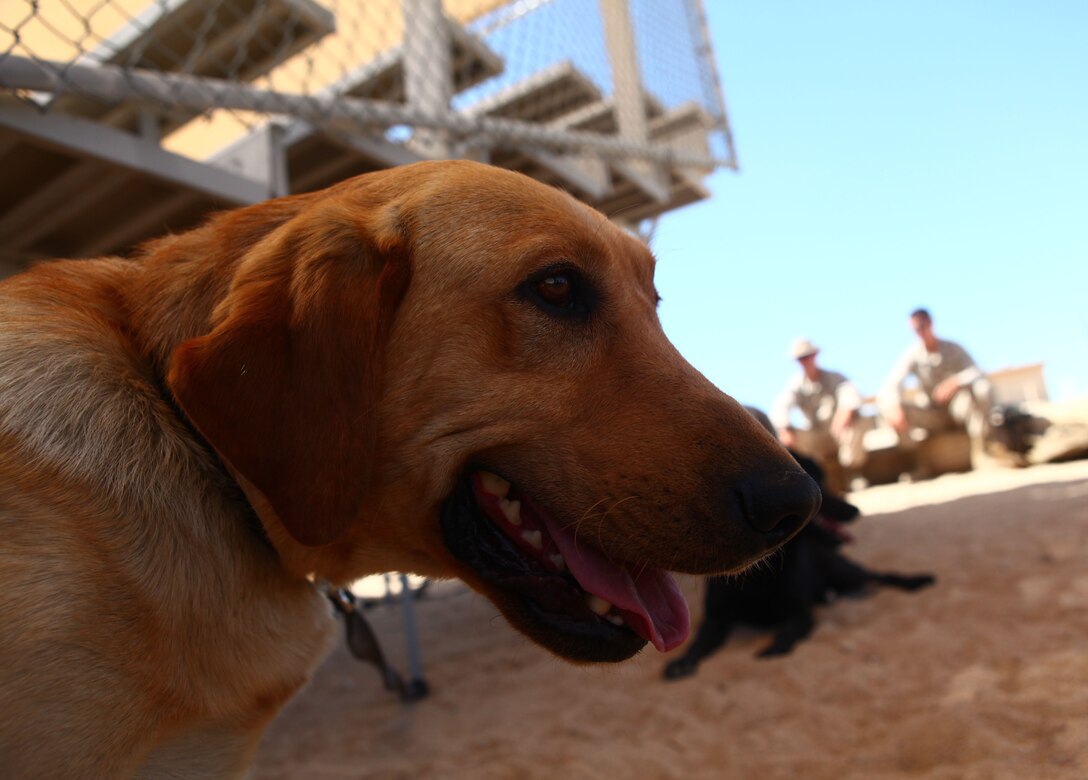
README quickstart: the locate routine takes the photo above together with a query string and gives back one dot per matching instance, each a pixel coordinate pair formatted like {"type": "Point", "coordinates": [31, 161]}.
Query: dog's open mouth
{"type": "Point", "coordinates": [556, 586]}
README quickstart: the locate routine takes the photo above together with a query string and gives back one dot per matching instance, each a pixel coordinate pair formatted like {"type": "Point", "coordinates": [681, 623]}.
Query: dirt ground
{"type": "Point", "coordinates": [984, 675]}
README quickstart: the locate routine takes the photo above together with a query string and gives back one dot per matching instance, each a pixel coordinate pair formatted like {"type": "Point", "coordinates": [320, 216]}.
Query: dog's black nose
{"type": "Point", "coordinates": [778, 504]}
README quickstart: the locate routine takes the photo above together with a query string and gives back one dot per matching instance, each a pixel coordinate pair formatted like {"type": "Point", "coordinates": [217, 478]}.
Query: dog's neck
{"type": "Point", "coordinates": [172, 293]}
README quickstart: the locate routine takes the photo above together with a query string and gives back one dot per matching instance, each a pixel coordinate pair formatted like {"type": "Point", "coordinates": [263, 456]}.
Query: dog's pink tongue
{"type": "Point", "coordinates": [650, 601]}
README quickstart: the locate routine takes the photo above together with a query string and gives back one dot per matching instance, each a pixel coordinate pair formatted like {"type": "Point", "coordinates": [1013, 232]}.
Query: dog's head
{"type": "Point", "coordinates": [454, 370]}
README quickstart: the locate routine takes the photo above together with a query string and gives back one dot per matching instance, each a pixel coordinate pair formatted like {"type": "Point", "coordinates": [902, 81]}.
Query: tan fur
{"type": "Point", "coordinates": [293, 390]}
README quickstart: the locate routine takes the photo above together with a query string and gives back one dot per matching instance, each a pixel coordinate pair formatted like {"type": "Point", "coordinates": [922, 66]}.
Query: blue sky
{"type": "Point", "coordinates": [892, 155]}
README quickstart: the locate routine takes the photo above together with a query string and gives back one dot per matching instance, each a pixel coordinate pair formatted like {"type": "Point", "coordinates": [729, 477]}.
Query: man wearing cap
{"type": "Point", "coordinates": [831, 407]}
{"type": "Point", "coordinates": [952, 391]}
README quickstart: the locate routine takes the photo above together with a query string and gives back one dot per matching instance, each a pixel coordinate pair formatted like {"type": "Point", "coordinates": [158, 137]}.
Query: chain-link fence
{"type": "Point", "coordinates": [616, 101]}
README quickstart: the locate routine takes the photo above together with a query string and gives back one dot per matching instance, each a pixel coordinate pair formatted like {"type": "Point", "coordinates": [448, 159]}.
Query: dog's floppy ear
{"type": "Point", "coordinates": [285, 387]}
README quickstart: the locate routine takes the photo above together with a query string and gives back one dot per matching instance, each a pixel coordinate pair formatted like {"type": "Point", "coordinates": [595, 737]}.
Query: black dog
{"type": "Point", "coordinates": [782, 591]}
{"type": "Point", "coordinates": [1015, 429]}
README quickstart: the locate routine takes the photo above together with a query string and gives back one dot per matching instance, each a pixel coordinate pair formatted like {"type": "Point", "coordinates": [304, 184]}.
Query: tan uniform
{"type": "Point", "coordinates": [969, 407]}
{"type": "Point", "coordinates": [818, 401]}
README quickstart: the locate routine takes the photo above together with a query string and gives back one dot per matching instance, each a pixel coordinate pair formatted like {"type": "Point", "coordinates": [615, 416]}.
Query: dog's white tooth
{"type": "Point", "coordinates": [615, 619]}
{"type": "Point", "coordinates": [494, 484]}
{"type": "Point", "coordinates": [597, 605]}
{"type": "Point", "coordinates": [534, 538]}
{"type": "Point", "coordinates": [511, 510]}
{"type": "Point", "coordinates": [558, 561]}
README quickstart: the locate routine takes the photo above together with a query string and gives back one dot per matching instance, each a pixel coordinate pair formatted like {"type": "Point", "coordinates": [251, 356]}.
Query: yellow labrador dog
{"type": "Point", "coordinates": [445, 368]}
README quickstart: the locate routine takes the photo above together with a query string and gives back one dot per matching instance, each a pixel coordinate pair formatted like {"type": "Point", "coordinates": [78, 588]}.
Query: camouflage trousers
{"type": "Point", "coordinates": [968, 410]}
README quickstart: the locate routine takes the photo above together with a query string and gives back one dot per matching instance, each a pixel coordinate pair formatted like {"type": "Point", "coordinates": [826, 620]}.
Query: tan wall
{"type": "Point", "coordinates": [57, 33]}
{"type": "Point", "coordinates": [364, 29]}
{"type": "Point", "coordinates": [1019, 384]}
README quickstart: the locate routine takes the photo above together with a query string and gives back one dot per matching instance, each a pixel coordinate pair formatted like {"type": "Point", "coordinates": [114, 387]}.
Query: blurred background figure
{"type": "Point", "coordinates": [830, 405]}
{"type": "Point", "coordinates": [952, 393]}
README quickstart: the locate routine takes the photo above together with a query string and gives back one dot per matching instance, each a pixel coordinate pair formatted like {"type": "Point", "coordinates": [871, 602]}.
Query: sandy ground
{"type": "Point", "coordinates": [983, 676]}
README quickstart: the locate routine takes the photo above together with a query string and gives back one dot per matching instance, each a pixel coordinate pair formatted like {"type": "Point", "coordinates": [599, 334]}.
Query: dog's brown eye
{"type": "Point", "coordinates": [556, 290]}
{"type": "Point", "coordinates": [560, 291]}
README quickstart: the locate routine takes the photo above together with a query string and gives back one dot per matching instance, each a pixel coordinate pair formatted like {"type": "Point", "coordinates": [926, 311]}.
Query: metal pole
{"type": "Point", "coordinates": [416, 687]}
{"type": "Point", "coordinates": [428, 70]}
{"type": "Point", "coordinates": [627, 88]}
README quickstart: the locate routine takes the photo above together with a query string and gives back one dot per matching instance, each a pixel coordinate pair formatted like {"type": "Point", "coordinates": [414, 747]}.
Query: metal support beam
{"type": "Point", "coordinates": [374, 149]}
{"type": "Point", "coordinates": [147, 222]}
{"type": "Point", "coordinates": [66, 203]}
{"type": "Point", "coordinates": [112, 83]}
{"type": "Point", "coordinates": [122, 150]}
{"type": "Point", "coordinates": [586, 174]}
{"type": "Point", "coordinates": [8, 143]}
{"type": "Point", "coordinates": [428, 70]}
{"type": "Point", "coordinates": [260, 156]}
{"type": "Point", "coordinates": [627, 89]}
{"type": "Point", "coordinates": [23, 224]}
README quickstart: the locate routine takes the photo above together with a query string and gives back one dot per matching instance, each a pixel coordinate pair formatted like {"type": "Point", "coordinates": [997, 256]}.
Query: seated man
{"type": "Point", "coordinates": [952, 391]}
{"type": "Point", "coordinates": [830, 405]}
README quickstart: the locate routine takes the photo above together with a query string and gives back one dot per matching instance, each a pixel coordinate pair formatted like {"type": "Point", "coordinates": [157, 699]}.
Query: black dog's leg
{"type": "Point", "coordinates": [803, 583]}
{"type": "Point", "coordinates": [796, 627]}
{"type": "Point", "coordinates": [908, 582]}
{"type": "Point", "coordinates": [718, 620]}
{"type": "Point", "coordinates": [845, 576]}
{"type": "Point", "coordinates": [711, 635]}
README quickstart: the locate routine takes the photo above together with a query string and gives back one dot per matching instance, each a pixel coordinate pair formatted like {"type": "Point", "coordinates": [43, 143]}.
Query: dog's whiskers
{"type": "Point", "coordinates": [576, 526]}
